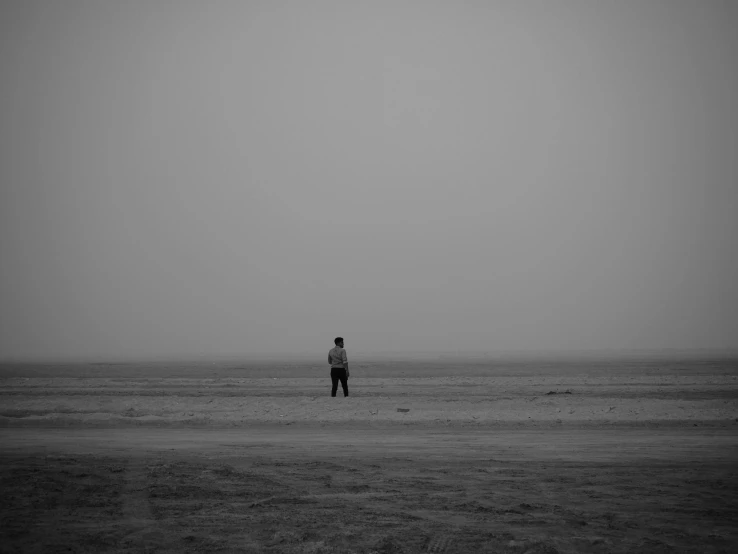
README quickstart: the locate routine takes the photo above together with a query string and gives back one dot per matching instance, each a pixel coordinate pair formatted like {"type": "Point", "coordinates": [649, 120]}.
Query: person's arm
{"type": "Point", "coordinates": [329, 358]}
{"type": "Point", "coordinates": [345, 362]}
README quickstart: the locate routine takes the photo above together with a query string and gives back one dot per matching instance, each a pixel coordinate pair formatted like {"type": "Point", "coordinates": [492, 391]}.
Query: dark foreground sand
{"type": "Point", "coordinates": [643, 459]}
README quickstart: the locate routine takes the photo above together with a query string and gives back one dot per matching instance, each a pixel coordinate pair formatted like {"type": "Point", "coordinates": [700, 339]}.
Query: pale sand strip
{"type": "Point", "coordinates": [577, 399]}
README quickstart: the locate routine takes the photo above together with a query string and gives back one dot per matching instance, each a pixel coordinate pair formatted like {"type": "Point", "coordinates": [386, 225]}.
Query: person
{"type": "Point", "coordinates": [339, 366]}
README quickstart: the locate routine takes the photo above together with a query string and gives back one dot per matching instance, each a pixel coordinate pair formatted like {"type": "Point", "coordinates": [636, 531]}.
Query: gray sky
{"type": "Point", "coordinates": [229, 177]}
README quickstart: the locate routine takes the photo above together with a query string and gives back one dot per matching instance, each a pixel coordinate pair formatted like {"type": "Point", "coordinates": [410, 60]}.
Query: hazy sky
{"type": "Point", "coordinates": [183, 177]}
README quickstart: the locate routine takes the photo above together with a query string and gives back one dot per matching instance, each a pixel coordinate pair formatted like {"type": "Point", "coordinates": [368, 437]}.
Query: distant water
{"type": "Point", "coordinates": [384, 367]}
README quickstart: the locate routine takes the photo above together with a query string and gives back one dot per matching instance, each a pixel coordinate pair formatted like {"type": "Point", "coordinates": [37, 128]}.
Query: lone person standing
{"type": "Point", "coordinates": [339, 366]}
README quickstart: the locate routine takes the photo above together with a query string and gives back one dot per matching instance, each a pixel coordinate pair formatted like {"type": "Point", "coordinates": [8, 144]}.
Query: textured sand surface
{"type": "Point", "coordinates": [535, 400]}
{"type": "Point", "coordinates": [516, 458]}
{"type": "Point", "coordinates": [340, 490]}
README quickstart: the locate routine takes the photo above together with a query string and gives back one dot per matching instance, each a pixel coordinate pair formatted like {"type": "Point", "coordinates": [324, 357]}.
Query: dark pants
{"type": "Point", "coordinates": [339, 374]}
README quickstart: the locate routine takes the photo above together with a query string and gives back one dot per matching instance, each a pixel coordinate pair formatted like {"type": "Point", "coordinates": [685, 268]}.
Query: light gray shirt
{"type": "Point", "coordinates": [337, 357]}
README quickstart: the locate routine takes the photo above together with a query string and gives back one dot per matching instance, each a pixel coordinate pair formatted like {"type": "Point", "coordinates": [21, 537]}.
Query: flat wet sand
{"type": "Point", "coordinates": [612, 445]}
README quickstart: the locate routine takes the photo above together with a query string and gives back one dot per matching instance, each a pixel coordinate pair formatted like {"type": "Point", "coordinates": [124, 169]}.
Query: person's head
{"type": "Point", "coordinates": [338, 341]}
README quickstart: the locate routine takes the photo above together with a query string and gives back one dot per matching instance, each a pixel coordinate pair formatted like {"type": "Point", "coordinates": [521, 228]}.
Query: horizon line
{"type": "Point", "coordinates": [436, 354]}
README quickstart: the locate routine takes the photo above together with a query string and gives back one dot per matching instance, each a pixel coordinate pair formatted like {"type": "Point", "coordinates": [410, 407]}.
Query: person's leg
{"type": "Point", "coordinates": [334, 380]}
{"type": "Point", "coordinates": [344, 382]}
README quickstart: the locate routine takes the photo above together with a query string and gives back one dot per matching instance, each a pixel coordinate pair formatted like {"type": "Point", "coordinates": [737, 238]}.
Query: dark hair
{"type": "Point", "coordinates": [337, 340]}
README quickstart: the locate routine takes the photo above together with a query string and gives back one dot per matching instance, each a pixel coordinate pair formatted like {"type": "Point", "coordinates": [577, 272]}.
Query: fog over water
{"type": "Point", "coordinates": [186, 178]}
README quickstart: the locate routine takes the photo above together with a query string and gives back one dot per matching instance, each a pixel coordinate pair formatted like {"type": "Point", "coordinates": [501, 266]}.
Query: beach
{"type": "Point", "coordinates": [586, 455]}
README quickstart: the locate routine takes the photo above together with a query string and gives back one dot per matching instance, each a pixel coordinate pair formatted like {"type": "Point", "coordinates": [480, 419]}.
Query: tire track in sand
{"type": "Point", "coordinates": [137, 514]}
{"type": "Point", "coordinates": [439, 544]}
